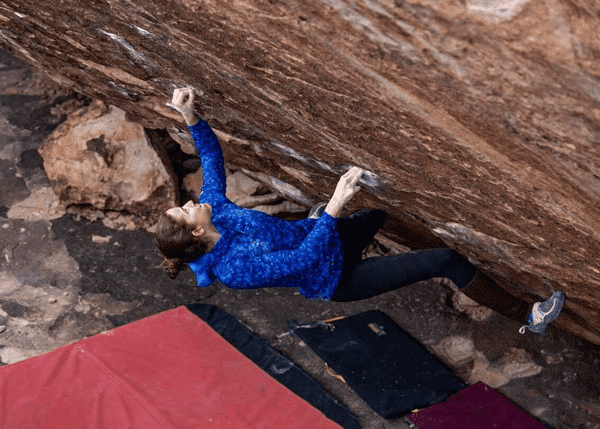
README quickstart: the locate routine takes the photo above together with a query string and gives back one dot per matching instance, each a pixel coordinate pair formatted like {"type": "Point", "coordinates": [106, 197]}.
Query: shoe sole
{"type": "Point", "coordinates": [539, 329]}
{"type": "Point", "coordinates": [557, 308]}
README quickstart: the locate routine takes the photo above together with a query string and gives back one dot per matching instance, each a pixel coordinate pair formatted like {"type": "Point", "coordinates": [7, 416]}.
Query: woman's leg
{"type": "Point", "coordinates": [357, 230]}
{"type": "Point", "coordinates": [374, 276]}
{"type": "Point", "coordinates": [487, 292]}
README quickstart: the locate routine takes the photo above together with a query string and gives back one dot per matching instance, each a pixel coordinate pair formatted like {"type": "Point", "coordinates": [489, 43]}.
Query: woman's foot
{"type": "Point", "coordinates": [544, 312]}
{"type": "Point", "coordinates": [317, 211]}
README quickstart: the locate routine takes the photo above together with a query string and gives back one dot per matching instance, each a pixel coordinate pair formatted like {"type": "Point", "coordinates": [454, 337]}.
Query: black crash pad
{"type": "Point", "coordinates": [382, 363]}
{"type": "Point", "coordinates": [255, 348]}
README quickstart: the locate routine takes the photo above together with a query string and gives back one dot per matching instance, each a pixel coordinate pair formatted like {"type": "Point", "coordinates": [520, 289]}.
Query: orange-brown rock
{"type": "Point", "coordinates": [478, 121]}
{"type": "Point", "coordinates": [99, 159]}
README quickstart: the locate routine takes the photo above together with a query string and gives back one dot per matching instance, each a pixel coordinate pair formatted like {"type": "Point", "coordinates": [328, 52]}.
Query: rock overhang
{"type": "Point", "coordinates": [479, 134]}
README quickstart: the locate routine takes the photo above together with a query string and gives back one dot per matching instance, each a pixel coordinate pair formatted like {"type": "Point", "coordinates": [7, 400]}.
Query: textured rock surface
{"type": "Point", "coordinates": [478, 121]}
{"type": "Point", "coordinates": [463, 304]}
{"type": "Point", "coordinates": [98, 158]}
{"type": "Point", "coordinates": [515, 364]}
{"type": "Point", "coordinates": [460, 353]}
{"type": "Point", "coordinates": [120, 283]}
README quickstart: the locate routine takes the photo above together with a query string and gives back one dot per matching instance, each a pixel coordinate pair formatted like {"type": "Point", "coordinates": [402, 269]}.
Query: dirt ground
{"type": "Point", "coordinates": [63, 279]}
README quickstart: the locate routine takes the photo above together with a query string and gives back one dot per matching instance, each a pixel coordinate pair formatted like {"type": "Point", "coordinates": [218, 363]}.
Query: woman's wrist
{"type": "Point", "coordinates": [191, 119]}
{"type": "Point", "coordinates": [333, 208]}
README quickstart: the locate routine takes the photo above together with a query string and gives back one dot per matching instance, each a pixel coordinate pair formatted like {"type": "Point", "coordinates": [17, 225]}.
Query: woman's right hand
{"type": "Point", "coordinates": [185, 107]}
{"type": "Point", "coordinates": [344, 191]}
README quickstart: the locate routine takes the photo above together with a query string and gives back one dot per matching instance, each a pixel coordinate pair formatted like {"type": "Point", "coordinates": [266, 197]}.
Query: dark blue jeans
{"type": "Point", "coordinates": [362, 279]}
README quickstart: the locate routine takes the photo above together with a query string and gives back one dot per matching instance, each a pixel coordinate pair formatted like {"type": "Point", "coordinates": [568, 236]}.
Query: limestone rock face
{"type": "Point", "coordinates": [98, 158]}
{"type": "Point", "coordinates": [478, 121]}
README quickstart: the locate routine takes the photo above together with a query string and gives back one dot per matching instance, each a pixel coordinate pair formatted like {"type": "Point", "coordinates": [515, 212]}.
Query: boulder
{"type": "Point", "coordinates": [248, 193]}
{"type": "Point", "coordinates": [460, 354]}
{"type": "Point", "coordinates": [98, 159]}
{"type": "Point", "coordinates": [477, 121]}
{"type": "Point", "coordinates": [516, 363]}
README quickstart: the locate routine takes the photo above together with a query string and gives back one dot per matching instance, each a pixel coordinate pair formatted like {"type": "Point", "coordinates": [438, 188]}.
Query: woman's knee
{"type": "Point", "coordinates": [372, 218]}
{"type": "Point", "coordinates": [451, 256]}
{"type": "Point", "coordinates": [379, 216]}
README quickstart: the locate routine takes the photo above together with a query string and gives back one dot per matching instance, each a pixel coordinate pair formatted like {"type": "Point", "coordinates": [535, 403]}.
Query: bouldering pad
{"type": "Point", "coordinates": [255, 348]}
{"type": "Point", "coordinates": [169, 370]}
{"type": "Point", "coordinates": [382, 363]}
{"type": "Point", "coordinates": [478, 406]}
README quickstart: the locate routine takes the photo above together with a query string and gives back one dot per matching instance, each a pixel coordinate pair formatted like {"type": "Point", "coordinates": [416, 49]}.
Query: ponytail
{"type": "Point", "coordinates": [178, 245]}
{"type": "Point", "coordinates": [172, 266]}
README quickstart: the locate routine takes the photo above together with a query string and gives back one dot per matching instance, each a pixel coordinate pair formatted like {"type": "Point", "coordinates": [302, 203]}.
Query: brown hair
{"type": "Point", "coordinates": [175, 241]}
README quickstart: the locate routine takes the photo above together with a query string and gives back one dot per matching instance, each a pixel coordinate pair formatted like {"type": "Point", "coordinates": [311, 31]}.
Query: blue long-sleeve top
{"type": "Point", "coordinates": [257, 250]}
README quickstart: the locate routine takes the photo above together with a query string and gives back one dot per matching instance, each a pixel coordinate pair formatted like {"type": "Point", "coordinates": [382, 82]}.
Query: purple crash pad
{"type": "Point", "coordinates": [475, 407]}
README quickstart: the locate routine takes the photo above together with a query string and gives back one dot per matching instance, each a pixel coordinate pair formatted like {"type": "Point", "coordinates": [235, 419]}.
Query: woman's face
{"type": "Point", "coordinates": [197, 215]}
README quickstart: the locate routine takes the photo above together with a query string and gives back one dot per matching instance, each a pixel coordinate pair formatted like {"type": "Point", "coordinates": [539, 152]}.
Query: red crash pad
{"type": "Point", "coordinates": [170, 370]}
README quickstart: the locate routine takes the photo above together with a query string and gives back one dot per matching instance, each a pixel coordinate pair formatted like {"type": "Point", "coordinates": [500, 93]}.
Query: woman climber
{"type": "Point", "coordinates": [320, 255]}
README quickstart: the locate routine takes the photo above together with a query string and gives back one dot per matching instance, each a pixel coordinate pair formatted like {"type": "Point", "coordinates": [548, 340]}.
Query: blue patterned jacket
{"type": "Point", "coordinates": [257, 250]}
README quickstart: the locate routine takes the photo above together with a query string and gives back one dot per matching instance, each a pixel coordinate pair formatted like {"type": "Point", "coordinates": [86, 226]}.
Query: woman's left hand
{"type": "Point", "coordinates": [186, 108]}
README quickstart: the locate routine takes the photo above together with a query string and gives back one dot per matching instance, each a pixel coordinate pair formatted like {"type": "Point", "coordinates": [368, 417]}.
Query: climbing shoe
{"type": "Point", "coordinates": [543, 313]}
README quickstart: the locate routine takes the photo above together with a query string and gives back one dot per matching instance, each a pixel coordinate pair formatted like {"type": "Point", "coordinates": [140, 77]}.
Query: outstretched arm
{"type": "Point", "coordinates": [207, 144]}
